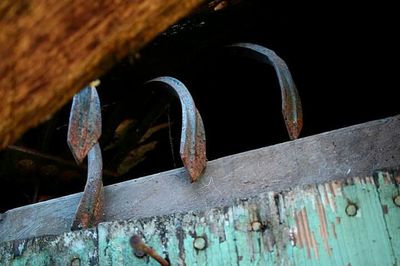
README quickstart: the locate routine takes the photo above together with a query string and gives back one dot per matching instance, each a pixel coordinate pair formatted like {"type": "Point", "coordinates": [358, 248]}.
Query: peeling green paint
{"type": "Point", "coordinates": [52, 250]}
{"type": "Point", "coordinates": [303, 226]}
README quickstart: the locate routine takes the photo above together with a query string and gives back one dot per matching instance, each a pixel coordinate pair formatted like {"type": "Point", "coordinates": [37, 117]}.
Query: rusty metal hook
{"type": "Point", "coordinates": [193, 138]}
{"type": "Point", "coordinates": [84, 131]}
{"type": "Point", "coordinates": [291, 104]}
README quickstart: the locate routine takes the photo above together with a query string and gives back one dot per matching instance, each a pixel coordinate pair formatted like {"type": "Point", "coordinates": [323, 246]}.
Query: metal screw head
{"type": "Point", "coordinates": [75, 262]}
{"type": "Point", "coordinates": [200, 243]}
{"type": "Point", "coordinates": [351, 209]}
{"type": "Point", "coordinates": [256, 226]}
{"type": "Point", "coordinates": [396, 200]}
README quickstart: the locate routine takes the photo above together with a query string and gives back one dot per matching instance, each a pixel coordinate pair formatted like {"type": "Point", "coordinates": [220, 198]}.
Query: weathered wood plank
{"type": "Point", "coordinates": [304, 226]}
{"type": "Point", "coordinates": [348, 152]}
{"type": "Point", "coordinates": [51, 49]}
{"type": "Point", "coordinates": [73, 248]}
{"type": "Point", "coordinates": [310, 225]}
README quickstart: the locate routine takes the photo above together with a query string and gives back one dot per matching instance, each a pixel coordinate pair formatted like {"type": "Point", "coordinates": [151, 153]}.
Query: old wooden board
{"type": "Point", "coordinates": [344, 222]}
{"type": "Point", "coordinates": [350, 152]}
{"type": "Point", "coordinates": [79, 246]}
{"type": "Point", "coordinates": [51, 49]}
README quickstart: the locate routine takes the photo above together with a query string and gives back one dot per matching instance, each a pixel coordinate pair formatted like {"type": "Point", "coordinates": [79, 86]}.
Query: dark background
{"type": "Point", "coordinates": [343, 58]}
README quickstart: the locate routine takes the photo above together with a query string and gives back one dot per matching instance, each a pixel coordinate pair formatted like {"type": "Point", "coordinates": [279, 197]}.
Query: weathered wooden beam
{"type": "Point", "coordinates": [344, 222]}
{"type": "Point", "coordinates": [350, 152]}
{"type": "Point", "coordinates": [51, 49]}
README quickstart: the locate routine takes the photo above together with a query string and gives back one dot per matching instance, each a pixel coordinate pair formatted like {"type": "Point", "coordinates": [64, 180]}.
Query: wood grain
{"type": "Point", "coordinates": [51, 49]}
{"type": "Point", "coordinates": [355, 151]}
{"type": "Point", "coordinates": [301, 226]}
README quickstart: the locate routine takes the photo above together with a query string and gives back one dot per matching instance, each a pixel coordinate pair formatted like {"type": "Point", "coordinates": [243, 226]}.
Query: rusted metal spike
{"type": "Point", "coordinates": [90, 209]}
{"type": "Point", "coordinates": [291, 104]}
{"type": "Point", "coordinates": [193, 138]}
{"type": "Point", "coordinates": [84, 131]}
{"type": "Point", "coordinates": [140, 249]}
{"type": "Point", "coordinates": [84, 128]}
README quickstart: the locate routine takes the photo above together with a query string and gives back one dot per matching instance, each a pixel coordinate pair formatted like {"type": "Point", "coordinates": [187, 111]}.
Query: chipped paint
{"type": "Point", "coordinates": [323, 228]}
{"type": "Point", "coordinates": [299, 227]}
{"type": "Point", "coordinates": [52, 250]}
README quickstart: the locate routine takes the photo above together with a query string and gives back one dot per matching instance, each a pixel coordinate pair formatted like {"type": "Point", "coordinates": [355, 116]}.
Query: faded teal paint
{"type": "Point", "coordinates": [307, 226]}
{"type": "Point", "coordinates": [52, 250]}
{"type": "Point", "coordinates": [329, 236]}
{"type": "Point", "coordinates": [387, 191]}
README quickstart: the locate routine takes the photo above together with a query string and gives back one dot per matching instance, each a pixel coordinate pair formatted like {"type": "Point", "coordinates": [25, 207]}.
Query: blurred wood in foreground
{"type": "Point", "coordinates": [51, 49]}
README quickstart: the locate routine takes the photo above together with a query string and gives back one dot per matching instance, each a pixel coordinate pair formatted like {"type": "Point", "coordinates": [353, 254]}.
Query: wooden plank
{"type": "Point", "coordinates": [51, 49]}
{"type": "Point", "coordinates": [388, 195]}
{"type": "Point", "coordinates": [73, 248]}
{"type": "Point", "coordinates": [349, 152]}
{"type": "Point", "coordinates": [300, 227]}
{"type": "Point", "coordinates": [310, 225]}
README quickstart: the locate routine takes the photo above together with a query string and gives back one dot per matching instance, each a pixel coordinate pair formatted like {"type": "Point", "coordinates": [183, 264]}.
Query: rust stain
{"type": "Point", "coordinates": [323, 228]}
{"type": "Point", "coordinates": [314, 246]}
{"type": "Point", "coordinates": [331, 197]}
{"type": "Point", "coordinates": [300, 230]}
{"type": "Point", "coordinates": [304, 236]}
{"type": "Point", "coordinates": [141, 248]}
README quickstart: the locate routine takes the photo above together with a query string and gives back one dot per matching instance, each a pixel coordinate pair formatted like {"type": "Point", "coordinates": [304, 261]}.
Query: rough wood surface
{"type": "Point", "coordinates": [303, 226]}
{"type": "Point", "coordinates": [348, 152]}
{"type": "Point", "coordinates": [51, 49]}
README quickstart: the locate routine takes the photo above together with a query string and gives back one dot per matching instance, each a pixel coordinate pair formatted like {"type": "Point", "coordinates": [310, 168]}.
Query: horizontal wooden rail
{"type": "Point", "coordinates": [355, 151]}
{"type": "Point", "coordinates": [354, 221]}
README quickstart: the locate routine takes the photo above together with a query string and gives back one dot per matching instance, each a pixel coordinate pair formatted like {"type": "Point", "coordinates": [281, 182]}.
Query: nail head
{"type": "Point", "coordinates": [200, 243]}
{"type": "Point", "coordinates": [396, 200]}
{"type": "Point", "coordinates": [351, 209]}
{"type": "Point", "coordinates": [256, 226]}
{"type": "Point", "coordinates": [75, 262]}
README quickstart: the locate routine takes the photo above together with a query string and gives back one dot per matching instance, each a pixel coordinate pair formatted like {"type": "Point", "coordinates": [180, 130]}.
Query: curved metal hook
{"type": "Point", "coordinates": [193, 138]}
{"type": "Point", "coordinates": [84, 131]}
{"type": "Point", "coordinates": [291, 104]}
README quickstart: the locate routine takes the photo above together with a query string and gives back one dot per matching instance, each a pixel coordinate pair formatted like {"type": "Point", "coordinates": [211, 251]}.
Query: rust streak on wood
{"type": "Point", "coordinates": [305, 236]}
{"type": "Point", "coordinates": [51, 49]}
{"type": "Point", "coordinates": [323, 225]}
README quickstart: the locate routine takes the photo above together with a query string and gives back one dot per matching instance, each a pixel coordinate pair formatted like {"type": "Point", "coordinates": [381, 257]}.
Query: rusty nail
{"type": "Point", "coordinates": [193, 138]}
{"type": "Point", "coordinates": [200, 243]}
{"type": "Point", "coordinates": [256, 226]}
{"type": "Point", "coordinates": [140, 249]}
{"type": "Point", "coordinates": [351, 209]}
{"type": "Point", "coordinates": [84, 131]}
{"type": "Point", "coordinates": [396, 200]}
{"type": "Point", "coordinates": [75, 262]}
{"type": "Point", "coordinates": [291, 104]}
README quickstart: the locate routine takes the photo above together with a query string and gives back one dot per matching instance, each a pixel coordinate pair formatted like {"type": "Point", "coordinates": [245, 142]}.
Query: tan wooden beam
{"type": "Point", "coordinates": [51, 49]}
{"type": "Point", "coordinates": [356, 151]}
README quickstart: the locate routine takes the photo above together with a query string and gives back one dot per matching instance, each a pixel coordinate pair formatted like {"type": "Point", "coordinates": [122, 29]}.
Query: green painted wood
{"type": "Point", "coordinates": [302, 226]}
{"type": "Point", "coordinates": [388, 190]}
{"type": "Point", "coordinates": [327, 235]}
{"type": "Point", "coordinates": [74, 248]}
